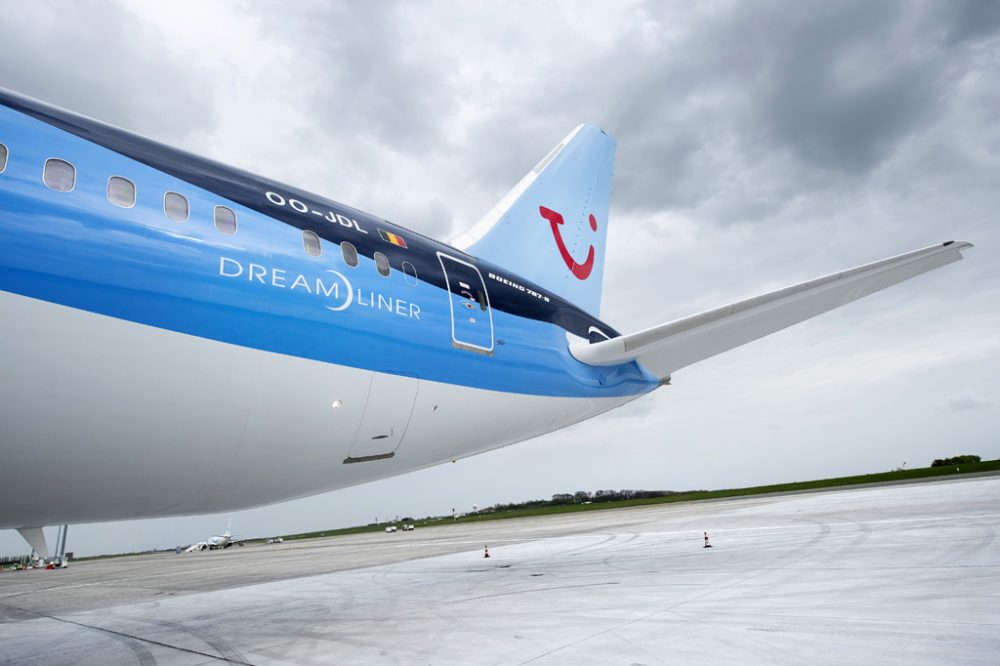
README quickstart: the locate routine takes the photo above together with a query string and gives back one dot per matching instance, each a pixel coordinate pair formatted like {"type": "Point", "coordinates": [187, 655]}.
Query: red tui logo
{"type": "Point", "coordinates": [580, 270]}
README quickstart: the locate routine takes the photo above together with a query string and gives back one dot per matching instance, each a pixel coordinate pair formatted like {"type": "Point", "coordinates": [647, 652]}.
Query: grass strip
{"type": "Point", "coordinates": [688, 496]}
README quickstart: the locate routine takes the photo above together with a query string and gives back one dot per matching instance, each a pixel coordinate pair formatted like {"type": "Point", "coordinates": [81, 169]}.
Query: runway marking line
{"type": "Point", "coordinates": [123, 634]}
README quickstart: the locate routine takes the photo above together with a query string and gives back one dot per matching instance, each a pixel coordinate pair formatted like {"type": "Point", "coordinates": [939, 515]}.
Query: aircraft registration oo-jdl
{"type": "Point", "coordinates": [182, 337]}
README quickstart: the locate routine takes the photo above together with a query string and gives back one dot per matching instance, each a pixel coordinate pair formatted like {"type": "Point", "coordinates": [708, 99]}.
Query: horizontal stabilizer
{"type": "Point", "coordinates": [669, 347]}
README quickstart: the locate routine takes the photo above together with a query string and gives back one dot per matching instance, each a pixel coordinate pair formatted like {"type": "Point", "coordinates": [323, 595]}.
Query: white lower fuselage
{"type": "Point", "coordinates": [103, 409]}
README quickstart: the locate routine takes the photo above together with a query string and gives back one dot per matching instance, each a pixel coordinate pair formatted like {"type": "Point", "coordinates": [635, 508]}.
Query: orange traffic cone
{"type": "Point", "coordinates": [486, 551]}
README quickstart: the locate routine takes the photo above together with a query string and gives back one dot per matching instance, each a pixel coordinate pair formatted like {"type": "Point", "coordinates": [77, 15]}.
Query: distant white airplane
{"type": "Point", "coordinates": [182, 337]}
{"type": "Point", "coordinates": [224, 540]}
{"type": "Point", "coordinates": [217, 542]}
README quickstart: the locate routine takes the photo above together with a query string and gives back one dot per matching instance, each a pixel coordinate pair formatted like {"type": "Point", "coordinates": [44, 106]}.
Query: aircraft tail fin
{"type": "Point", "coordinates": [669, 347]}
{"type": "Point", "coordinates": [551, 228]}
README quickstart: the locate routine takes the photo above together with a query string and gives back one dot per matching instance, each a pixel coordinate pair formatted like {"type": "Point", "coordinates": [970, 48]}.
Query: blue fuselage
{"type": "Point", "coordinates": [439, 314]}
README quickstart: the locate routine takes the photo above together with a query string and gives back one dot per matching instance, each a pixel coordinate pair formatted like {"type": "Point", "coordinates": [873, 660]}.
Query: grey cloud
{"type": "Point", "coordinates": [96, 59]}
{"type": "Point", "coordinates": [843, 88]}
{"type": "Point", "coordinates": [364, 80]}
{"type": "Point", "coordinates": [812, 95]}
{"type": "Point", "coordinates": [967, 401]}
{"type": "Point", "coordinates": [969, 20]}
{"type": "Point", "coordinates": [658, 168]}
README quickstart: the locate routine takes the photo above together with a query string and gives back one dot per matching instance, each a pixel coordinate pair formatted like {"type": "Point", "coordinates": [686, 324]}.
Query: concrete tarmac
{"type": "Point", "coordinates": [898, 574]}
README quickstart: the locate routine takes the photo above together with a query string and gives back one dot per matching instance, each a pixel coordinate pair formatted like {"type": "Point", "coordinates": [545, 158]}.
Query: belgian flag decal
{"type": "Point", "coordinates": [390, 237]}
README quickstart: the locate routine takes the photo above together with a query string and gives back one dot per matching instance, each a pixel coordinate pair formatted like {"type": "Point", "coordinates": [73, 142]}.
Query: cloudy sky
{"type": "Point", "coordinates": [760, 144]}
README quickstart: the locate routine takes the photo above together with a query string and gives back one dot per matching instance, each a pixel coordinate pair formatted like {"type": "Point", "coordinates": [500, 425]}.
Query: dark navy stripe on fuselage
{"type": "Point", "coordinates": [508, 292]}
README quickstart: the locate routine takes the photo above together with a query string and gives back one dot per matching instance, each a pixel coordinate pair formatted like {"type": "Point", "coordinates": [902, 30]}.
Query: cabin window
{"type": "Point", "coordinates": [59, 175]}
{"type": "Point", "coordinates": [121, 191]}
{"type": "Point", "coordinates": [311, 242]}
{"type": "Point", "coordinates": [225, 220]}
{"type": "Point", "coordinates": [350, 254]}
{"type": "Point", "coordinates": [382, 264]}
{"type": "Point", "coordinates": [3, 158]}
{"type": "Point", "coordinates": [410, 273]}
{"type": "Point", "coordinates": [176, 207]}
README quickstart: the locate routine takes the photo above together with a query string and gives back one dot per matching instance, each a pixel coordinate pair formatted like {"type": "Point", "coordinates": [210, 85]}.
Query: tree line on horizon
{"type": "Point", "coordinates": [598, 496]}
{"type": "Point", "coordinates": [956, 460]}
{"type": "Point", "coordinates": [583, 497]}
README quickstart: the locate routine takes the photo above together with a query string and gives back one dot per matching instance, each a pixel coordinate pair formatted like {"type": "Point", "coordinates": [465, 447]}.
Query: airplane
{"type": "Point", "coordinates": [182, 337]}
{"type": "Point", "coordinates": [224, 540]}
{"type": "Point", "coordinates": [216, 542]}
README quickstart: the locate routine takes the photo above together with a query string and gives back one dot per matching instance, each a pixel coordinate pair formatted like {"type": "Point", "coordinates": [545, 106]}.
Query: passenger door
{"type": "Point", "coordinates": [471, 316]}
